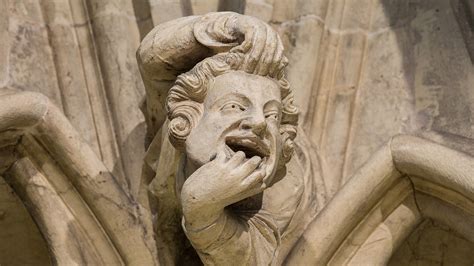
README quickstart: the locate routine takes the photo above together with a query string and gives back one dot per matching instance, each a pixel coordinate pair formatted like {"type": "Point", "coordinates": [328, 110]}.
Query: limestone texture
{"type": "Point", "coordinates": [243, 132]}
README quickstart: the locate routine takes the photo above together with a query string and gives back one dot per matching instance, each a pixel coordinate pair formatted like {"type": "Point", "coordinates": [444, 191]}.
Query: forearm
{"type": "Point", "coordinates": [255, 239]}
{"type": "Point", "coordinates": [205, 238]}
{"type": "Point", "coordinates": [227, 235]}
{"type": "Point", "coordinates": [197, 216]}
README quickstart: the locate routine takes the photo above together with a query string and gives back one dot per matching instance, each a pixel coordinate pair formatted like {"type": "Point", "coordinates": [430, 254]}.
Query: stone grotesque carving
{"type": "Point", "coordinates": [225, 170]}
{"type": "Point", "coordinates": [231, 116]}
{"type": "Point", "coordinates": [232, 184]}
{"type": "Point", "coordinates": [233, 153]}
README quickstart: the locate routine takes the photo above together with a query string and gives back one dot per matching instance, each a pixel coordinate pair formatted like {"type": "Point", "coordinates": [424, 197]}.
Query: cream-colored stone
{"type": "Point", "coordinates": [346, 219]}
{"type": "Point", "coordinates": [63, 163]}
{"type": "Point", "coordinates": [434, 243]}
{"type": "Point", "coordinates": [233, 146]}
{"type": "Point", "coordinates": [361, 72]}
{"type": "Point", "coordinates": [25, 245]}
{"type": "Point", "coordinates": [262, 9]}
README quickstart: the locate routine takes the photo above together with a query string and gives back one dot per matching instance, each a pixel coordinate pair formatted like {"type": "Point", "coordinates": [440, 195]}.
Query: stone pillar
{"type": "Point", "coordinates": [117, 38]}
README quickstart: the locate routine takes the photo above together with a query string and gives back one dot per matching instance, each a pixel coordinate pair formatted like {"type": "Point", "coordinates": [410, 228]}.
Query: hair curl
{"type": "Point", "coordinates": [185, 98]}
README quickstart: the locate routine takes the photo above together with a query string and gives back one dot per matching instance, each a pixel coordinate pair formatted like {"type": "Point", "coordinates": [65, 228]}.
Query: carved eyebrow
{"type": "Point", "coordinates": [231, 96]}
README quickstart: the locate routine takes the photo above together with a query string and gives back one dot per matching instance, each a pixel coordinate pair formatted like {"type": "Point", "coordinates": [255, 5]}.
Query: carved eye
{"type": "Point", "coordinates": [272, 115]}
{"type": "Point", "coordinates": [233, 106]}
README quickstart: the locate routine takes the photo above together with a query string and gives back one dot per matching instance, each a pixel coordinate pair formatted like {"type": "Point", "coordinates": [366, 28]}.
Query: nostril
{"type": "Point", "coordinates": [256, 128]}
{"type": "Point", "coordinates": [245, 126]}
{"type": "Point", "coordinates": [259, 129]}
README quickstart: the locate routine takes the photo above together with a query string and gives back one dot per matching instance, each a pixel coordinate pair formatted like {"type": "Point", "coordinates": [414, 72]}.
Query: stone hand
{"type": "Point", "coordinates": [218, 184]}
{"type": "Point", "coordinates": [260, 44]}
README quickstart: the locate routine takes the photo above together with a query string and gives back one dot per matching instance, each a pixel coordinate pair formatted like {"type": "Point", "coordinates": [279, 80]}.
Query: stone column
{"type": "Point", "coordinates": [117, 38]}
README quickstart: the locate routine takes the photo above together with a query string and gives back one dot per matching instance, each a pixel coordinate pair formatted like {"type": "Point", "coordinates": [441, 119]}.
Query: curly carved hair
{"type": "Point", "coordinates": [185, 98]}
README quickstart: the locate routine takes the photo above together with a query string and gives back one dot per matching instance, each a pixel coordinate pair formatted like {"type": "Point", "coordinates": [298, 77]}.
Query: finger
{"type": "Point", "coordinates": [236, 159]}
{"type": "Point", "coordinates": [262, 61]}
{"type": "Point", "coordinates": [270, 55]}
{"type": "Point", "coordinates": [277, 57]}
{"type": "Point", "coordinates": [248, 190]}
{"type": "Point", "coordinates": [254, 180]}
{"type": "Point", "coordinates": [267, 54]}
{"type": "Point", "coordinates": [257, 49]}
{"type": "Point", "coordinates": [250, 165]}
{"type": "Point", "coordinates": [247, 64]}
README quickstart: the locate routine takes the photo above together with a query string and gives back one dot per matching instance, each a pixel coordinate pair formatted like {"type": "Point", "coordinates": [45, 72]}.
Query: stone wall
{"type": "Point", "coordinates": [362, 72]}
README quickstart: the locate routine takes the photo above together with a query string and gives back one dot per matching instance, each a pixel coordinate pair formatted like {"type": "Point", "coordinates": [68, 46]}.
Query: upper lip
{"type": "Point", "coordinates": [249, 144]}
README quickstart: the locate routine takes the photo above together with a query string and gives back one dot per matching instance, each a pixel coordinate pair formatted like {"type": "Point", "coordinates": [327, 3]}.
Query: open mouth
{"type": "Point", "coordinates": [251, 146]}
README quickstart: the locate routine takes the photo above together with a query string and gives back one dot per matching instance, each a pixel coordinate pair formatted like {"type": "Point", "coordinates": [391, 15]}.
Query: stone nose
{"type": "Point", "coordinates": [256, 124]}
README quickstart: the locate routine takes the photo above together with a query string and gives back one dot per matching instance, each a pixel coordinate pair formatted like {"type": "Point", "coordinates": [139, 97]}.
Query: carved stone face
{"type": "Point", "coordinates": [241, 112]}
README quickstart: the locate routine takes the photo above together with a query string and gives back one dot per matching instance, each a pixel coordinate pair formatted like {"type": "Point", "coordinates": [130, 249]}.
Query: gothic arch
{"type": "Point", "coordinates": [406, 181]}
{"type": "Point", "coordinates": [83, 213]}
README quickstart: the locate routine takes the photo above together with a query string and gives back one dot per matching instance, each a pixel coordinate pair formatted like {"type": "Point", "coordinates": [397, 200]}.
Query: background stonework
{"type": "Point", "coordinates": [362, 71]}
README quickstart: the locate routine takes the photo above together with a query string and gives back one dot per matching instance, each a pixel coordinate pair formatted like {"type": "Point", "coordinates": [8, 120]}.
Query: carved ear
{"type": "Point", "coordinates": [288, 133]}
{"type": "Point", "coordinates": [183, 118]}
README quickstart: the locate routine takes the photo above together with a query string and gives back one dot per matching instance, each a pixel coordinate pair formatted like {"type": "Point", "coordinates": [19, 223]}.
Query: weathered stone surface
{"type": "Point", "coordinates": [123, 87]}
{"type": "Point", "coordinates": [361, 72]}
{"type": "Point", "coordinates": [232, 121]}
{"type": "Point", "coordinates": [29, 45]}
{"type": "Point", "coordinates": [434, 243]}
{"type": "Point", "coordinates": [166, 10]}
{"type": "Point", "coordinates": [25, 244]}
{"type": "Point", "coordinates": [407, 180]}
{"type": "Point", "coordinates": [4, 45]}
